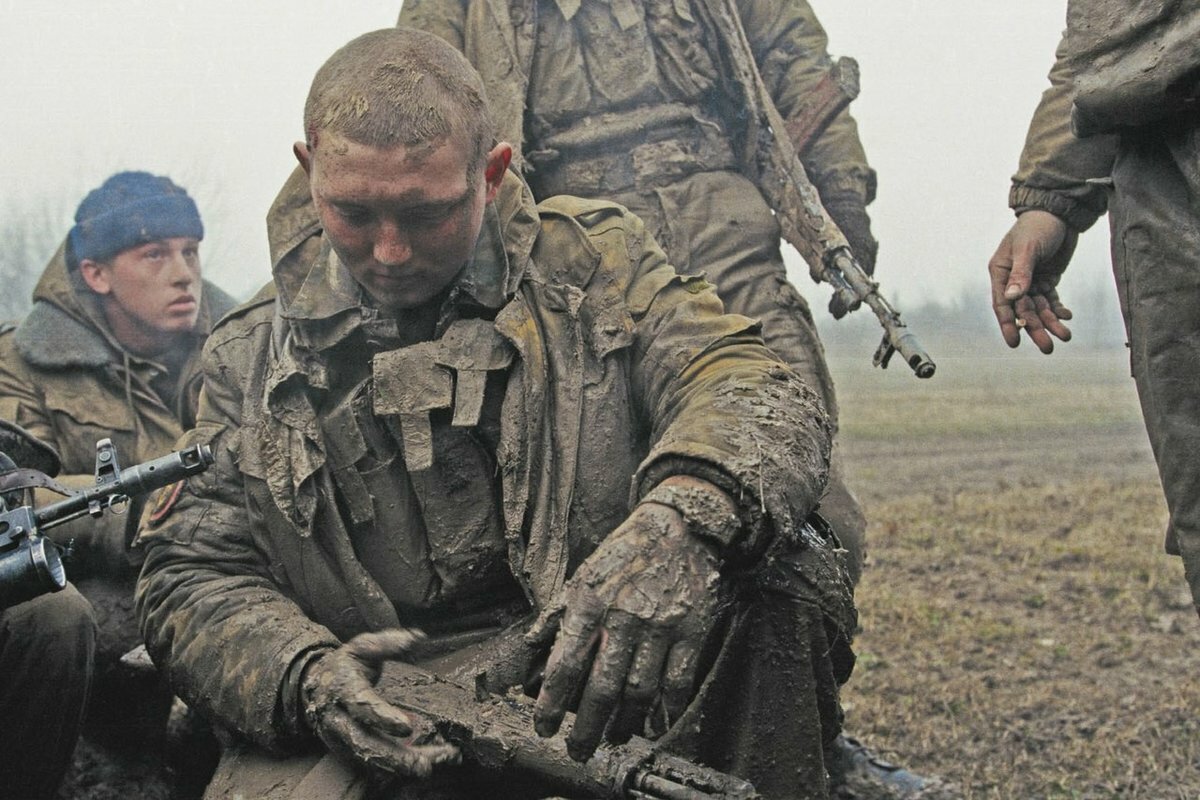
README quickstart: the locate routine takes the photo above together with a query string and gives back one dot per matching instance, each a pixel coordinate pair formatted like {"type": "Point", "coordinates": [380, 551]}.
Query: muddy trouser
{"type": "Point", "coordinates": [47, 646]}
{"type": "Point", "coordinates": [717, 223]}
{"type": "Point", "coordinates": [1155, 218]}
{"type": "Point", "coordinates": [765, 710]}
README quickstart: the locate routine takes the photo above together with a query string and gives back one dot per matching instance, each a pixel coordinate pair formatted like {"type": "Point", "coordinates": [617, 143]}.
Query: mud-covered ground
{"type": "Point", "coordinates": [1023, 634]}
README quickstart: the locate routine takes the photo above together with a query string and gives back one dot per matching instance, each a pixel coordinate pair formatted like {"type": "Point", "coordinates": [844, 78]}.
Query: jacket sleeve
{"type": "Point", "coordinates": [1056, 165]}
{"type": "Point", "coordinates": [445, 18]}
{"type": "Point", "coordinates": [718, 403]}
{"type": "Point", "coordinates": [792, 52]}
{"type": "Point", "coordinates": [212, 616]}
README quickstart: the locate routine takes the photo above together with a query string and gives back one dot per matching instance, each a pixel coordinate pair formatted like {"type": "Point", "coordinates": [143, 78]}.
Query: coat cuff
{"type": "Point", "coordinates": [1078, 216]}
{"type": "Point", "coordinates": [753, 532]}
{"type": "Point", "coordinates": [291, 721]}
{"type": "Point", "coordinates": [859, 182]}
{"type": "Point", "coordinates": [707, 511]}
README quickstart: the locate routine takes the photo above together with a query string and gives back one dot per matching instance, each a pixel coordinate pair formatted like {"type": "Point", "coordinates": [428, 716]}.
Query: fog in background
{"type": "Point", "coordinates": [211, 94]}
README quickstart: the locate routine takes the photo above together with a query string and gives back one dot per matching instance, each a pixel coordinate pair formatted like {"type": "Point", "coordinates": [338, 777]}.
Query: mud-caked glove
{"type": "Point", "coordinates": [630, 625]}
{"type": "Point", "coordinates": [343, 709]}
{"type": "Point", "coordinates": [850, 213]}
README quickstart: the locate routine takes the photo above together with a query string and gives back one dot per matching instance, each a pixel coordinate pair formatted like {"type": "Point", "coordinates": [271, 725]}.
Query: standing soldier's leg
{"type": "Point", "coordinates": [718, 223]}
{"type": "Point", "coordinates": [1156, 246]}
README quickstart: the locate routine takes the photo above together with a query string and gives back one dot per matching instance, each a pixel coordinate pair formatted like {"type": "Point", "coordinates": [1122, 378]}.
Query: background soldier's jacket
{"type": "Point", "coordinates": [619, 365]}
{"type": "Point", "coordinates": [66, 379]}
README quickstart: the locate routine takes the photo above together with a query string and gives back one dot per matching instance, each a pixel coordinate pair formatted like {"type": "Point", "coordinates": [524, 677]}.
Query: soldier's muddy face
{"type": "Point", "coordinates": [403, 220]}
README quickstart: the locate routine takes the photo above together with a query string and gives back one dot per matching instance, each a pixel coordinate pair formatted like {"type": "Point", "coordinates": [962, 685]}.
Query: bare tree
{"type": "Point", "coordinates": [29, 235]}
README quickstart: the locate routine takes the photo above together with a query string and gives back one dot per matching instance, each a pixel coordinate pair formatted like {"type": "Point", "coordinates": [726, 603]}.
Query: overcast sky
{"type": "Point", "coordinates": [211, 94]}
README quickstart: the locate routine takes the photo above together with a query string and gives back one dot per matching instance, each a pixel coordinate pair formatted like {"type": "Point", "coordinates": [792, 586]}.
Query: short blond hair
{"type": "Point", "coordinates": [400, 86]}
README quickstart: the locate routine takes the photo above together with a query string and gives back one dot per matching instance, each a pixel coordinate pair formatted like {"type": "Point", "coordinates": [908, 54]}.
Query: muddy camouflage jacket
{"type": "Point", "coordinates": [790, 48]}
{"type": "Point", "coordinates": [620, 369]}
{"type": "Point", "coordinates": [1111, 51]}
{"type": "Point", "coordinates": [66, 379]}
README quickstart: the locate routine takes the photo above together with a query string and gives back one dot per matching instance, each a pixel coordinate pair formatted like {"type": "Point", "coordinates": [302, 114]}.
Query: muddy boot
{"type": "Point", "coordinates": [856, 773]}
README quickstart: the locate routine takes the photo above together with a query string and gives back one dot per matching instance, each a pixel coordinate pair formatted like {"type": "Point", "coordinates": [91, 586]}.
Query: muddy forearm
{"type": "Point", "coordinates": [212, 615]}
{"type": "Point", "coordinates": [724, 408]}
{"type": "Point", "coordinates": [227, 637]}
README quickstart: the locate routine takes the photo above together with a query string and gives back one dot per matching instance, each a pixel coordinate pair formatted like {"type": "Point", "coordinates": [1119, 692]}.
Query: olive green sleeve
{"type": "Point", "coordinates": [211, 612]}
{"type": "Point", "coordinates": [1055, 164]}
{"type": "Point", "coordinates": [718, 403]}
{"type": "Point", "coordinates": [791, 50]}
{"type": "Point", "coordinates": [20, 401]}
{"type": "Point", "coordinates": [100, 543]}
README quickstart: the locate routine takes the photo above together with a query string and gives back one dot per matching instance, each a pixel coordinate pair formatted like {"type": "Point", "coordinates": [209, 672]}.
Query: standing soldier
{"type": "Point", "coordinates": [109, 350]}
{"type": "Point", "coordinates": [1118, 130]}
{"type": "Point", "coordinates": [632, 101]}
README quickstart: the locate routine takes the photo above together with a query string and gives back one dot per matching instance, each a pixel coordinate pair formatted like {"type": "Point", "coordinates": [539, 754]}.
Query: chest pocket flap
{"type": "Point", "coordinates": [80, 402]}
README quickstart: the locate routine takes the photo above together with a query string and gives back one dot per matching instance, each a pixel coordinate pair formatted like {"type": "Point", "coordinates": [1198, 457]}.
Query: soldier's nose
{"type": "Point", "coordinates": [392, 246]}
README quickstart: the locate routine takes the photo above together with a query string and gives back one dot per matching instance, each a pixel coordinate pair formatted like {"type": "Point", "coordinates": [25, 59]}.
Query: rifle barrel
{"type": "Point", "coordinates": [132, 481]}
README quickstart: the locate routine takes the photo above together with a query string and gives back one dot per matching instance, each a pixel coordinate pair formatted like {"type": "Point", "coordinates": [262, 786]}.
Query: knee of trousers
{"type": "Point", "coordinates": [56, 630]}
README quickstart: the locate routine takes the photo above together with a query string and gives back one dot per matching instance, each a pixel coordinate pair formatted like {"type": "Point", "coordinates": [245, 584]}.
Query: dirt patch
{"type": "Point", "coordinates": [1023, 633]}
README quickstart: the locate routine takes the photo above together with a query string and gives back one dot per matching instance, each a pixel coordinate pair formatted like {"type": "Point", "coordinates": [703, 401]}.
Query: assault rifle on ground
{"type": "Point", "coordinates": [31, 564]}
{"type": "Point", "coordinates": [496, 732]}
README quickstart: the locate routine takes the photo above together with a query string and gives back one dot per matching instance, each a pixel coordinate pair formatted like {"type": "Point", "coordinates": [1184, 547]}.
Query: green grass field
{"type": "Point", "coordinates": [1023, 633]}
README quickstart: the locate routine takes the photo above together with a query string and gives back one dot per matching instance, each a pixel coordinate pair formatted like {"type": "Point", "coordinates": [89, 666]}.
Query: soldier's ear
{"type": "Point", "coordinates": [95, 275]}
{"type": "Point", "coordinates": [304, 156]}
{"type": "Point", "coordinates": [498, 159]}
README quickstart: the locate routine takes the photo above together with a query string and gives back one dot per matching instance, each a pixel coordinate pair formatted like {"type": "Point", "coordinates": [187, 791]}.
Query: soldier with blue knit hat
{"type": "Point", "coordinates": [109, 350]}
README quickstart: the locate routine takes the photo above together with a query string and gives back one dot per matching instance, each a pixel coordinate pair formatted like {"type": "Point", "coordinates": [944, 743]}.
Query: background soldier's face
{"type": "Point", "coordinates": [404, 220]}
{"type": "Point", "coordinates": [150, 289]}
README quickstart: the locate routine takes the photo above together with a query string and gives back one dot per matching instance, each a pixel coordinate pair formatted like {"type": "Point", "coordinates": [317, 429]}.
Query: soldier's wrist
{"type": "Point", "coordinates": [298, 685]}
{"type": "Point", "coordinates": [709, 513]}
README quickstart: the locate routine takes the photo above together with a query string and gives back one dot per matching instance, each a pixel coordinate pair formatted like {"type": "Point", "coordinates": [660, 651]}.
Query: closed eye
{"type": "Point", "coordinates": [353, 215]}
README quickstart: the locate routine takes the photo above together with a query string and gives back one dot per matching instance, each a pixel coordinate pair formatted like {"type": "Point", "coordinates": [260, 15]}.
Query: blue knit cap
{"type": "Point", "coordinates": [130, 209]}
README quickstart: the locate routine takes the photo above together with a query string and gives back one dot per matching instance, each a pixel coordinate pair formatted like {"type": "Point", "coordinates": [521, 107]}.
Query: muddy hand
{"type": "Point", "coordinates": [630, 625]}
{"type": "Point", "coordinates": [351, 718]}
{"type": "Point", "coordinates": [1024, 273]}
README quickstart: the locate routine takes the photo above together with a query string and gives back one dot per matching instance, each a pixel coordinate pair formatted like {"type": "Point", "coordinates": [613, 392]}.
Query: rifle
{"type": "Point", "coordinates": [31, 564]}
{"type": "Point", "coordinates": [835, 263]}
{"type": "Point", "coordinates": [496, 732]}
{"type": "Point", "coordinates": [771, 158]}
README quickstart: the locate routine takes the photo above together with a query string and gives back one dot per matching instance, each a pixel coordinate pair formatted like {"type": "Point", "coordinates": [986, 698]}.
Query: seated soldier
{"type": "Point", "coordinates": [454, 409]}
{"type": "Point", "coordinates": [109, 350]}
{"type": "Point", "coordinates": [47, 644]}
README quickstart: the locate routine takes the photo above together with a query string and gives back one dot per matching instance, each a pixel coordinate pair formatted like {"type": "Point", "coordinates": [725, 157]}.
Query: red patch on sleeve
{"type": "Point", "coordinates": [164, 501]}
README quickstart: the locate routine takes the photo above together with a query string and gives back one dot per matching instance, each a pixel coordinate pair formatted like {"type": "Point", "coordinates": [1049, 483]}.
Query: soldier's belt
{"type": "Point", "coordinates": [637, 150]}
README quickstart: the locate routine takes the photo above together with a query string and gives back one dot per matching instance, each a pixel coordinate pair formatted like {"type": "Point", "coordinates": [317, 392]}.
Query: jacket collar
{"type": "Point", "coordinates": [329, 305]}
{"type": "Point", "coordinates": [66, 327]}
